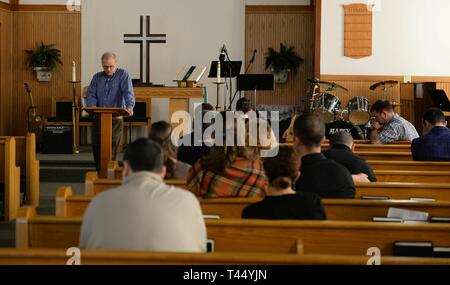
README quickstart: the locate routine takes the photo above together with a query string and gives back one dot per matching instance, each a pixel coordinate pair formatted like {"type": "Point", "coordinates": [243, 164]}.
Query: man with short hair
{"type": "Point", "coordinates": [341, 151]}
{"type": "Point", "coordinates": [434, 145]}
{"type": "Point", "coordinates": [318, 174]}
{"type": "Point", "coordinates": [389, 127]}
{"type": "Point", "coordinates": [110, 88]}
{"type": "Point", "coordinates": [144, 213]}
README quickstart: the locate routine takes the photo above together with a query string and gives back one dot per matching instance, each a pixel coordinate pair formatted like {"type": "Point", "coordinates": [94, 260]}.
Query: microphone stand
{"type": "Point", "coordinates": [250, 63]}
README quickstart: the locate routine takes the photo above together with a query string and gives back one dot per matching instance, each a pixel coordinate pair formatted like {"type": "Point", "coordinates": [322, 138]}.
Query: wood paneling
{"type": "Point", "coordinates": [60, 28]}
{"type": "Point", "coordinates": [5, 69]}
{"type": "Point", "coordinates": [266, 28]}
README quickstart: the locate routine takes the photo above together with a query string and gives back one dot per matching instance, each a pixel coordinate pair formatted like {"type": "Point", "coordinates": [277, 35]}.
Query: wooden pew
{"type": "Point", "coordinates": [95, 185]}
{"type": "Point", "coordinates": [229, 235]}
{"type": "Point", "coordinates": [402, 190]}
{"type": "Point", "coordinates": [10, 178]}
{"type": "Point", "coordinates": [92, 257]}
{"type": "Point", "coordinates": [410, 165]}
{"type": "Point", "coordinates": [416, 176]}
{"type": "Point", "coordinates": [386, 156]}
{"type": "Point", "coordinates": [378, 147]}
{"type": "Point", "coordinates": [26, 160]}
{"type": "Point", "coordinates": [68, 205]}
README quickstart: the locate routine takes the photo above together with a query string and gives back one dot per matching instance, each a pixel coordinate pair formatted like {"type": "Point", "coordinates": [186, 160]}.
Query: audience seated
{"type": "Point", "coordinates": [196, 148]}
{"type": "Point", "coordinates": [144, 213]}
{"type": "Point", "coordinates": [229, 170]}
{"type": "Point", "coordinates": [281, 201]}
{"type": "Point", "coordinates": [161, 132]}
{"type": "Point", "coordinates": [434, 145]}
{"type": "Point", "coordinates": [319, 175]}
{"type": "Point", "coordinates": [341, 151]}
{"type": "Point", "coordinates": [389, 127]}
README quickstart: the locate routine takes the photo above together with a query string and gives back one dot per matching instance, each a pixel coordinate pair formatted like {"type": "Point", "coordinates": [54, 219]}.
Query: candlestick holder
{"type": "Point", "coordinates": [74, 116]}
{"type": "Point", "coordinates": [218, 108]}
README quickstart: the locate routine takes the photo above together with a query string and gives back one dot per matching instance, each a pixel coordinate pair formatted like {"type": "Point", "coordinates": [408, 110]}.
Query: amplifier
{"type": "Point", "coordinates": [57, 140]}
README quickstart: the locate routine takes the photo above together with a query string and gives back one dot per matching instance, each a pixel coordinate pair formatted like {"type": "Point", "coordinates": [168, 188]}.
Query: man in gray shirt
{"type": "Point", "coordinates": [389, 126]}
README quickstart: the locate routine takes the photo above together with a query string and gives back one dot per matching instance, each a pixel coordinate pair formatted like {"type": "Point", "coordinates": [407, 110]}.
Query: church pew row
{"type": "Point", "coordinates": [393, 190]}
{"type": "Point", "coordinates": [378, 147]}
{"type": "Point", "coordinates": [9, 178]}
{"type": "Point", "coordinates": [233, 235]}
{"type": "Point", "coordinates": [410, 165]}
{"type": "Point", "coordinates": [109, 257]}
{"type": "Point", "coordinates": [386, 156]}
{"type": "Point", "coordinates": [26, 160]}
{"type": "Point", "coordinates": [416, 176]}
{"type": "Point", "coordinates": [69, 205]}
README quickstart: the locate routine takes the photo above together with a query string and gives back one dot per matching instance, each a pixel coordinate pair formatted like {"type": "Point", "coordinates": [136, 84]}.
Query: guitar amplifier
{"type": "Point", "coordinates": [57, 140]}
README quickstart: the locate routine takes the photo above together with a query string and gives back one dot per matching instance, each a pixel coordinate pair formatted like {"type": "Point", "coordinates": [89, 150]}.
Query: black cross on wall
{"type": "Point", "coordinates": [144, 39]}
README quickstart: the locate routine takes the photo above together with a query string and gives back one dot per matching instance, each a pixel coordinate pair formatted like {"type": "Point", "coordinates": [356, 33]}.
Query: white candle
{"type": "Point", "coordinates": [218, 71]}
{"type": "Point", "coordinates": [74, 72]}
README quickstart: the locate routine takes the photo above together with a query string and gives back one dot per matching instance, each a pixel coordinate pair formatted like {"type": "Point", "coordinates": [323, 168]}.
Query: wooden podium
{"type": "Point", "coordinates": [106, 115]}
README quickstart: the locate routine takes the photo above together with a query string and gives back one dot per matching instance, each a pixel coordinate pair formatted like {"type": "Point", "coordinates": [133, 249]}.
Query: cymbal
{"type": "Point", "coordinates": [328, 86]}
{"type": "Point", "coordinates": [383, 85]}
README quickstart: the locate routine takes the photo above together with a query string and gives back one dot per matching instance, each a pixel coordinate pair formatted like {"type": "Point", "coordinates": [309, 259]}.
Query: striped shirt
{"type": "Point", "coordinates": [397, 129]}
{"type": "Point", "coordinates": [243, 178]}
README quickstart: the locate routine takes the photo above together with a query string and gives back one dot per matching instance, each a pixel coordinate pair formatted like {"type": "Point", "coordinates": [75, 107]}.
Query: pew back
{"type": "Point", "coordinates": [10, 178]}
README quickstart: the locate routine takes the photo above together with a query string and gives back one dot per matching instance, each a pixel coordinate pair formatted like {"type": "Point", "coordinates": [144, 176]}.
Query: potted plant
{"type": "Point", "coordinates": [282, 62]}
{"type": "Point", "coordinates": [44, 59]}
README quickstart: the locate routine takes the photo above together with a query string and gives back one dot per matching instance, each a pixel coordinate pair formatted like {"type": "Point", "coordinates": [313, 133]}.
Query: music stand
{"type": "Point", "coordinates": [229, 69]}
{"type": "Point", "coordinates": [440, 99]}
{"type": "Point", "coordinates": [255, 82]}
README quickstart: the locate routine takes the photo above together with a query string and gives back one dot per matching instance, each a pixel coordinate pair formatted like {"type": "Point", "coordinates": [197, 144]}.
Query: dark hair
{"type": "Point", "coordinates": [243, 105]}
{"type": "Point", "coordinates": [380, 106]}
{"type": "Point", "coordinates": [144, 155]}
{"type": "Point", "coordinates": [282, 169]}
{"type": "Point", "coordinates": [341, 137]}
{"type": "Point", "coordinates": [161, 133]}
{"type": "Point", "coordinates": [200, 112]}
{"type": "Point", "coordinates": [310, 129]}
{"type": "Point", "coordinates": [434, 116]}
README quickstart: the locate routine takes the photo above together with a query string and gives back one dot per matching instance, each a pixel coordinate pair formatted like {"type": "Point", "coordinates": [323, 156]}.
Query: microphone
{"type": "Point", "coordinates": [222, 53]}
{"type": "Point", "coordinates": [254, 55]}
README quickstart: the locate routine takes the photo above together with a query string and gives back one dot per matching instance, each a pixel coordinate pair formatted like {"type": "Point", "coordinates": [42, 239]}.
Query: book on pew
{"type": "Point", "coordinates": [440, 220]}
{"type": "Point", "coordinates": [443, 252]}
{"type": "Point", "coordinates": [209, 245]}
{"type": "Point", "coordinates": [413, 249]}
{"type": "Point", "coordinates": [209, 216]}
{"type": "Point", "coordinates": [387, 220]}
{"type": "Point", "coordinates": [374, 198]}
{"type": "Point", "coordinates": [419, 199]}
{"type": "Point", "coordinates": [407, 215]}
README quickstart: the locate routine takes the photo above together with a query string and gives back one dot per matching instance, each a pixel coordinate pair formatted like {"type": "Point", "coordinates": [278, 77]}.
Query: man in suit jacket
{"type": "Point", "coordinates": [341, 151]}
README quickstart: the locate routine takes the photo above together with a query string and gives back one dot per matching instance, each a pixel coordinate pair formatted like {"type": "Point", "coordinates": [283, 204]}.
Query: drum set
{"type": "Point", "coordinates": [329, 107]}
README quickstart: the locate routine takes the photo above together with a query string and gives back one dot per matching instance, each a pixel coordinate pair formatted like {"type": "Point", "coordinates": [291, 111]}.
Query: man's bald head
{"type": "Point", "coordinates": [342, 137]}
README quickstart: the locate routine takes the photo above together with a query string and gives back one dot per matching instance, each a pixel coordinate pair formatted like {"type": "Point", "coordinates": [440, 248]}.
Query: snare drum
{"type": "Point", "coordinates": [325, 106]}
{"type": "Point", "coordinates": [358, 108]}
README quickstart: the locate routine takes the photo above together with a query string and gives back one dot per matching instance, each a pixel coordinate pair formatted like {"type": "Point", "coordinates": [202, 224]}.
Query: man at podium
{"type": "Point", "coordinates": [110, 88]}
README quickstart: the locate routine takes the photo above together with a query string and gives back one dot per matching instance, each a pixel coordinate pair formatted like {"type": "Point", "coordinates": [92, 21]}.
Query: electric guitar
{"type": "Point", "coordinates": [35, 121]}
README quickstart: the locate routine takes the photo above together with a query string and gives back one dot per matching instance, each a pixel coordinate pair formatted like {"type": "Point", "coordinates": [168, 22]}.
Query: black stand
{"type": "Point", "coordinates": [229, 69]}
{"type": "Point", "coordinates": [255, 82]}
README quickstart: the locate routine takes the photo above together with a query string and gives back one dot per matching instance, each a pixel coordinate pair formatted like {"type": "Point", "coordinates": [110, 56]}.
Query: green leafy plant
{"type": "Point", "coordinates": [46, 56]}
{"type": "Point", "coordinates": [285, 59]}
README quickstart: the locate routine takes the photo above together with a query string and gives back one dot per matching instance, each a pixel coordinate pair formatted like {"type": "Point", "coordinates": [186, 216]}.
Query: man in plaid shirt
{"type": "Point", "coordinates": [388, 126]}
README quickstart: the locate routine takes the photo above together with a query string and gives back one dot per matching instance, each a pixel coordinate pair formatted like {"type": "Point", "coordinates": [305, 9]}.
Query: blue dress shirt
{"type": "Point", "coordinates": [434, 146]}
{"type": "Point", "coordinates": [115, 91]}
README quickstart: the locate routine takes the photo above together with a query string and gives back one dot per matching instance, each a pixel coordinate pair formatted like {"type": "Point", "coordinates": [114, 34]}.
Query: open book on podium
{"type": "Point", "coordinates": [190, 76]}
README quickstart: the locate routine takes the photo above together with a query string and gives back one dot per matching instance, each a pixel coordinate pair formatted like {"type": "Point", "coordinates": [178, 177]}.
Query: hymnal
{"type": "Point", "coordinates": [441, 252]}
{"type": "Point", "coordinates": [419, 249]}
{"type": "Point", "coordinates": [418, 199]}
{"type": "Point", "coordinates": [374, 198]}
{"type": "Point", "coordinates": [440, 219]}
{"type": "Point", "coordinates": [407, 214]}
{"type": "Point", "coordinates": [217, 217]}
{"type": "Point", "coordinates": [388, 220]}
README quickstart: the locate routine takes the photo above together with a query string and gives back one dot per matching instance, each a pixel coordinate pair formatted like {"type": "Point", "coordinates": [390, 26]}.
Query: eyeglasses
{"type": "Point", "coordinates": [108, 66]}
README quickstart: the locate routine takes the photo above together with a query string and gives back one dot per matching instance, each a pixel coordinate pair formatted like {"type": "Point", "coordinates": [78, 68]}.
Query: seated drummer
{"type": "Point", "coordinates": [343, 126]}
{"type": "Point", "coordinates": [388, 126]}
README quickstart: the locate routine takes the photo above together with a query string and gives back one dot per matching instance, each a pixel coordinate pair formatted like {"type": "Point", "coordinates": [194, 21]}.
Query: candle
{"type": "Point", "coordinates": [218, 71]}
{"type": "Point", "coordinates": [74, 72]}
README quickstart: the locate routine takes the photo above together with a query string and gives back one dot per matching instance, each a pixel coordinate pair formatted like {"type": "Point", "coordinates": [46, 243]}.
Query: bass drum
{"type": "Point", "coordinates": [326, 106]}
{"type": "Point", "coordinates": [358, 109]}
{"type": "Point", "coordinates": [342, 126]}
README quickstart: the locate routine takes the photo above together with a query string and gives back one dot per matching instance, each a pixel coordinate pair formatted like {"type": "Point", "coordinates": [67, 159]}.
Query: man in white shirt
{"type": "Point", "coordinates": [144, 213]}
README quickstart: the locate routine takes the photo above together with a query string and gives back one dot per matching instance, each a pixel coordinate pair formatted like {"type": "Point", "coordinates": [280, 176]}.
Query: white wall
{"type": "Point", "coordinates": [195, 29]}
{"type": "Point", "coordinates": [6, 1]}
{"type": "Point", "coordinates": [277, 2]}
{"type": "Point", "coordinates": [43, 2]}
{"type": "Point", "coordinates": [410, 37]}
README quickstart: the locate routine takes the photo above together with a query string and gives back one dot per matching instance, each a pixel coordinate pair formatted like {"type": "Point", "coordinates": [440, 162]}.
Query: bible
{"type": "Point", "coordinates": [189, 76]}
